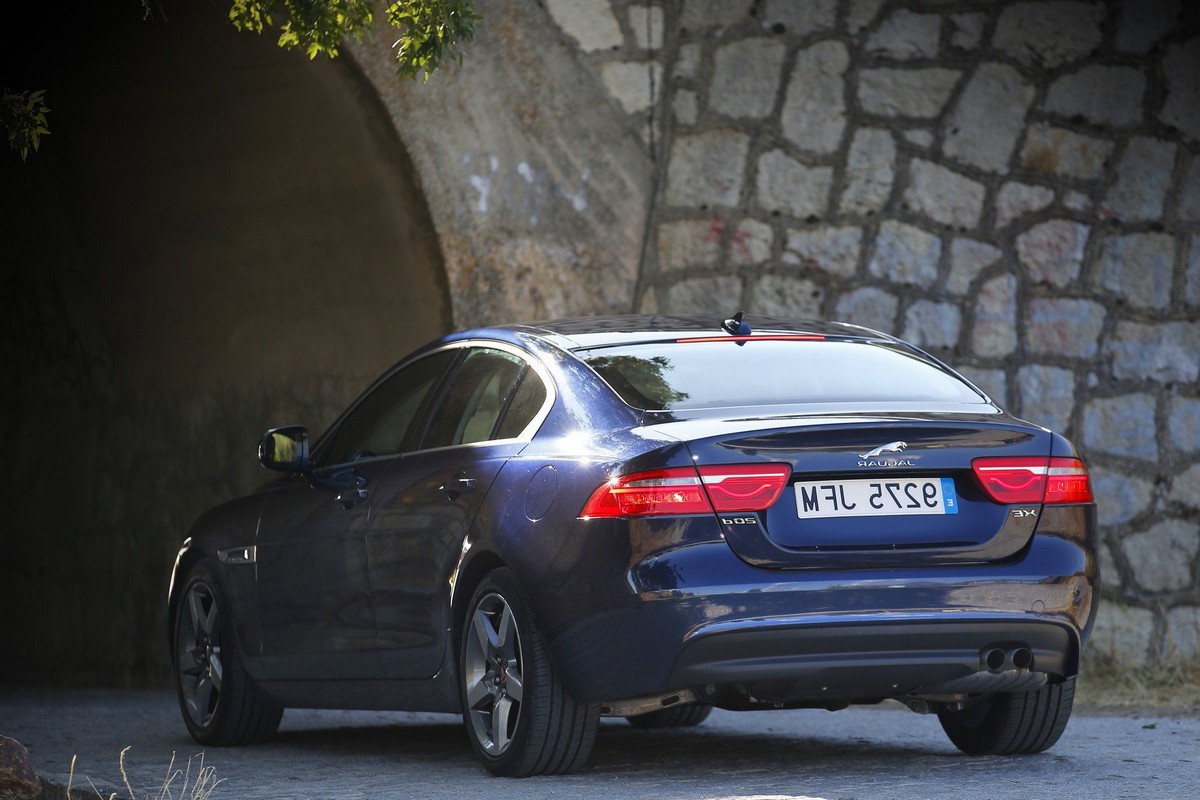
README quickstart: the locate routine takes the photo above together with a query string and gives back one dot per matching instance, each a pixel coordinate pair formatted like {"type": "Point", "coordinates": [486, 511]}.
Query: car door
{"type": "Point", "coordinates": [312, 576]}
{"type": "Point", "coordinates": [485, 415]}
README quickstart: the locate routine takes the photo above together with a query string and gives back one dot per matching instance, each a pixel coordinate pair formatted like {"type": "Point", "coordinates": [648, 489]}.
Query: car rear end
{"type": "Point", "coordinates": [818, 517]}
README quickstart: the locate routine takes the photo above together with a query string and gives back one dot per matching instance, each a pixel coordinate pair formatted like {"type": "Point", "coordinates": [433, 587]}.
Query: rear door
{"type": "Point", "coordinates": [486, 414]}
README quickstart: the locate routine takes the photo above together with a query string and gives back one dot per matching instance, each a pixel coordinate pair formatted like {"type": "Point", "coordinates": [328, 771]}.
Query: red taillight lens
{"type": "Point", "coordinates": [744, 487]}
{"type": "Point", "coordinates": [1034, 480]}
{"type": "Point", "coordinates": [660, 491]}
{"type": "Point", "coordinates": [686, 490]}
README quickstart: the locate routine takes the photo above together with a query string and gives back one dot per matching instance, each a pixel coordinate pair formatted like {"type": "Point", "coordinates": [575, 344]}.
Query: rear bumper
{"type": "Point", "coordinates": [693, 615]}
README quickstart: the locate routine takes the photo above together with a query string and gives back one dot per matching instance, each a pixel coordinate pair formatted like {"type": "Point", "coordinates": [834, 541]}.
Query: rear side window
{"type": "Point", "coordinates": [695, 375]}
{"type": "Point", "coordinates": [477, 395]}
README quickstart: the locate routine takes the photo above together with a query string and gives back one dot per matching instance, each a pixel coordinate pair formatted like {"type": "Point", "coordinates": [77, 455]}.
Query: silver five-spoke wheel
{"type": "Point", "coordinates": [492, 673]}
{"type": "Point", "coordinates": [199, 653]}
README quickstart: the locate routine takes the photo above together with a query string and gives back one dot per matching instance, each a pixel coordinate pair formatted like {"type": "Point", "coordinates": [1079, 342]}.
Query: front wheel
{"type": "Point", "coordinates": [1012, 723]}
{"type": "Point", "coordinates": [220, 703]}
{"type": "Point", "coordinates": [520, 718]}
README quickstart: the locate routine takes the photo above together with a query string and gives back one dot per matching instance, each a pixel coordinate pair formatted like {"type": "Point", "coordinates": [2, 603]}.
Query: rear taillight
{"type": "Point", "coordinates": [689, 490]}
{"type": "Point", "coordinates": [1034, 480]}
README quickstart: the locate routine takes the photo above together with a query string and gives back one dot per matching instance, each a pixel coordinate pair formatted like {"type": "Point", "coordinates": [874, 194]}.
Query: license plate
{"type": "Point", "coordinates": [875, 498]}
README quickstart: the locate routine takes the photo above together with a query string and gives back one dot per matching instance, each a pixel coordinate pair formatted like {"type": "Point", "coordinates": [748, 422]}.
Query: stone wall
{"type": "Point", "coordinates": [1014, 186]}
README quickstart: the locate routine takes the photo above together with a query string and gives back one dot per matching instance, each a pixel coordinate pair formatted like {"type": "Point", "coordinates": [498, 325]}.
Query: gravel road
{"type": "Point", "coordinates": [886, 752]}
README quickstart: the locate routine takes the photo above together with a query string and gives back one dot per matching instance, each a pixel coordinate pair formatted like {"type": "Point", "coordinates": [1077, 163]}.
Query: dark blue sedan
{"type": "Point", "coordinates": [646, 517]}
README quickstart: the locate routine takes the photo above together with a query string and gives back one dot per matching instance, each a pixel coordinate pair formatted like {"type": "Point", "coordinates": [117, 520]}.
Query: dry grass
{"type": "Point", "coordinates": [1171, 687]}
{"type": "Point", "coordinates": [178, 784]}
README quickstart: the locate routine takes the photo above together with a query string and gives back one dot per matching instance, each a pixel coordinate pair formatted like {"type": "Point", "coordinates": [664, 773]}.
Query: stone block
{"type": "Point", "coordinates": [1059, 151]}
{"type": "Point", "coordinates": [1185, 488]}
{"type": "Point", "coordinates": [707, 168]}
{"type": "Point", "coordinates": [1122, 426]}
{"type": "Point", "coordinates": [995, 330]}
{"type": "Point", "coordinates": [968, 258]}
{"type": "Point", "coordinates": [746, 78]}
{"type": "Point", "coordinates": [831, 250]}
{"type": "Point", "coordinates": [689, 243]}
{"type": "Point", "coordinates": [1122, 633]}
{"type": "Point", "coordinates": [1182, 107]}
{"type": "Point", "coordinates": [685, 107]}
{"type": "Point", "coordinates": [861, 13]}
{"type": "Point", "coordinates": [920, 93]}
{"type": "Point", "coordinates": [868, 306]}
{"type": "Point", "coordinates": [714, 295]}
{"type": "Point", "coordinates": [994, 382]}
{"type": "Point", "coordinates": [1163, 557]}
{"type": "Point", "coordinates": [905, 34]}
{"type": "Point", "coordinates": [787, 186]}
{"type": "Point", "coordinates": [1049, 34]}
{"type": "Point", "coordinates": [589, 22]}
{"type": "Point", "coordinates": [1138, 268]}
{"type": "Point", "coordinates": [1167, 352]}
{"type": "Point", "coordinates": [1182, 638]}
{"type": "Point", "coordinates": [646, 22]}
{"type": "Point", "coordinates": [1077, 201]}
{"type": "Point", "coordinates": [751, 242]}
{"type": "Point", "coordinates": [1047, 395]}
{"type": "Point", "coordinates": [1110, 573]}
{"type": "Point", "coordinates": [687, 64]}
{"type": "Point", "coordinates": [943, 195]}
{"type": "Point", "coordinates": [1067, 327]}
{"type": "Point", "coordinates": [988, 119]}
{"type": "Point", "coordinates": [1052, 252]}
{"type": "Point", "coordinates": [967, 31]}
{"type": "Point", "coordinates": [1192, 276]}
{"type": "Point", "coordinates": [1184, 415]}
{"type": "Point", "coordinates": [1103, 95]}
{"type": "Point", "coordinates": [786, 296]}
{"type": "Point", "coordinates": [703, 15]}
{"type": "Point", "coordinates": [869, 171]}
{"type": "Point", "coordinates": [920, 137]}
{"type": "Point", "coordinates": [1015, 200]}
{"type": "Point", "coordinates": [1143, 180]}
{"type": "Point", "coordinates": [906, 254]}
{"type": "Point", "coordinates": [799, 19]}
{"type": "Point", "coordinates": [629, 82]}
{"type": "Point", "coordinates": [1143, 22]}
{"type": "Point", "coordinates": [814, 109]}
{"type": "Point", "coordinates": [932, 326]}
{"type": "Point", "coordinates": [1187, 205]}
{"type": "Point", "coordinates": [1122, 496]}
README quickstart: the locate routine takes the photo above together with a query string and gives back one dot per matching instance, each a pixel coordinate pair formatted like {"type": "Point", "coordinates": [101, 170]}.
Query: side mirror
{"type": "Point", "coordinates": [284, 449]}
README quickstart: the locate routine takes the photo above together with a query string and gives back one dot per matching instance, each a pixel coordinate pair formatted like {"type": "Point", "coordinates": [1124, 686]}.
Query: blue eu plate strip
{"type": "Point", "coordinates": [949, 498]}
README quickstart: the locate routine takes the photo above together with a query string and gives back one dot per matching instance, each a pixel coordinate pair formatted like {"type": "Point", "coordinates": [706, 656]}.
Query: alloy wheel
{"type": "Point", "coordinates": [493, 673]}
{"type": "Point", "coordinates": [198, 649]}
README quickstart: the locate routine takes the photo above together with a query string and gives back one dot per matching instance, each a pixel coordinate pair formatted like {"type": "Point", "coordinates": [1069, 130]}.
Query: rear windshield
{"type": "Point", "coordinates": [694, 375]}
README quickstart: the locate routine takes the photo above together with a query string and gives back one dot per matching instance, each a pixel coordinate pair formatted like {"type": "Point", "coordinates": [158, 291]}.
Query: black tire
{"type": "Point", "coordinates": [682, 716]}
{"type": "Point", "coordinates": [219, 701]}
{"type": "Point", "coordinates": [520, 718]}
{"type": "Point", "coordinates": [1012, 724]}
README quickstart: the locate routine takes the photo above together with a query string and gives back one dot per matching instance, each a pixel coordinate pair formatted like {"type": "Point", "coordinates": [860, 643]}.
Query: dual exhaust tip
{"type": "Point", "coordinates": [998, 660]}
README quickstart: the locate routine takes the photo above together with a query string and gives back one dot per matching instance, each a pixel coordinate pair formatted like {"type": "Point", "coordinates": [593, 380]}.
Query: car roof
{"type": "Point", "coordinates": [588, 332]}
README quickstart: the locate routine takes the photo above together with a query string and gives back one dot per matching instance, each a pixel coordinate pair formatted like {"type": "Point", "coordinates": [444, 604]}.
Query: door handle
{"type": "Point", "coordinates": [452, 489]}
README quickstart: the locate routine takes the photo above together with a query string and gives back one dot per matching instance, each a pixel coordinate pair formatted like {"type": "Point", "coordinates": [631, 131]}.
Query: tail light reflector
{"type": "Point", "coordinates": [688, 490]}
{"type": "Point", "coordinates": [1034, 480]}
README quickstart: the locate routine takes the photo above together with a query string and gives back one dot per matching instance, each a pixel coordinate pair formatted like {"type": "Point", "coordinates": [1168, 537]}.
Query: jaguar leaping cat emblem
{"type": "Point", "coordinates": [891, 447]}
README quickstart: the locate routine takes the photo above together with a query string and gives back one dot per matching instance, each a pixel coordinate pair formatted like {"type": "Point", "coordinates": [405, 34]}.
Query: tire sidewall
{"type": "Point", "coordinates": [202, 574]}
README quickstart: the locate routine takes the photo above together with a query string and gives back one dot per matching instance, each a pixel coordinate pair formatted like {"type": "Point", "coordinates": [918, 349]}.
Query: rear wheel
{"type": "Point", "coordinates": [520, 718]}
{"type": "Point", "coordinates": [682, 716]}
{"type": "Point", "coordinates": [220, 703]}
{"type": "Point", "coordinates": [1012, 724]}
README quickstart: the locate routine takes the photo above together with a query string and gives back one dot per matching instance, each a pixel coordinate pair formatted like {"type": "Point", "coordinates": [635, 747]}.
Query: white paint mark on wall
{"type": "Point", "coordinates": [579, 198]}
{"type": "Point", "coordinates": [524, 189]}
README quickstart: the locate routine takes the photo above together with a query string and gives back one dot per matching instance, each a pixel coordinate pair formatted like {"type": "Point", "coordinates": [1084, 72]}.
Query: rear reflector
{"type": "Point", "coordinates": [1034, 480]}
{"type": "Point", "coordinates": [687, 490]}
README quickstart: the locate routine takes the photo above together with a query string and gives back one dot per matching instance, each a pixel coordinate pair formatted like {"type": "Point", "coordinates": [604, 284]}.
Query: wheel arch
{"type": "Point", "coordinates": [469, 576]}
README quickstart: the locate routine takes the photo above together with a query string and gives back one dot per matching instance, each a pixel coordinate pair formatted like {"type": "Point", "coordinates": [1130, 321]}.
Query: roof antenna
{"type": "Point", "coordinates": [735, 326]}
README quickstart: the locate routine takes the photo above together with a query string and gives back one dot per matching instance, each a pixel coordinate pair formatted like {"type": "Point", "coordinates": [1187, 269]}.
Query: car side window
{"type": "Point", "coordinates": [475, 399]}
{"type": "Point", "coordinates": [378, 423]}
{"type": "Point", "coordinates": [526, 402]}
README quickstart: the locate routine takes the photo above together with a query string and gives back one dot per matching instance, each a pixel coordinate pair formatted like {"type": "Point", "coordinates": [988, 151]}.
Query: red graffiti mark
{"type": "Point", "coordinates": [715, 229]}
{"type": "Point", "coordinates": [738, 240]}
